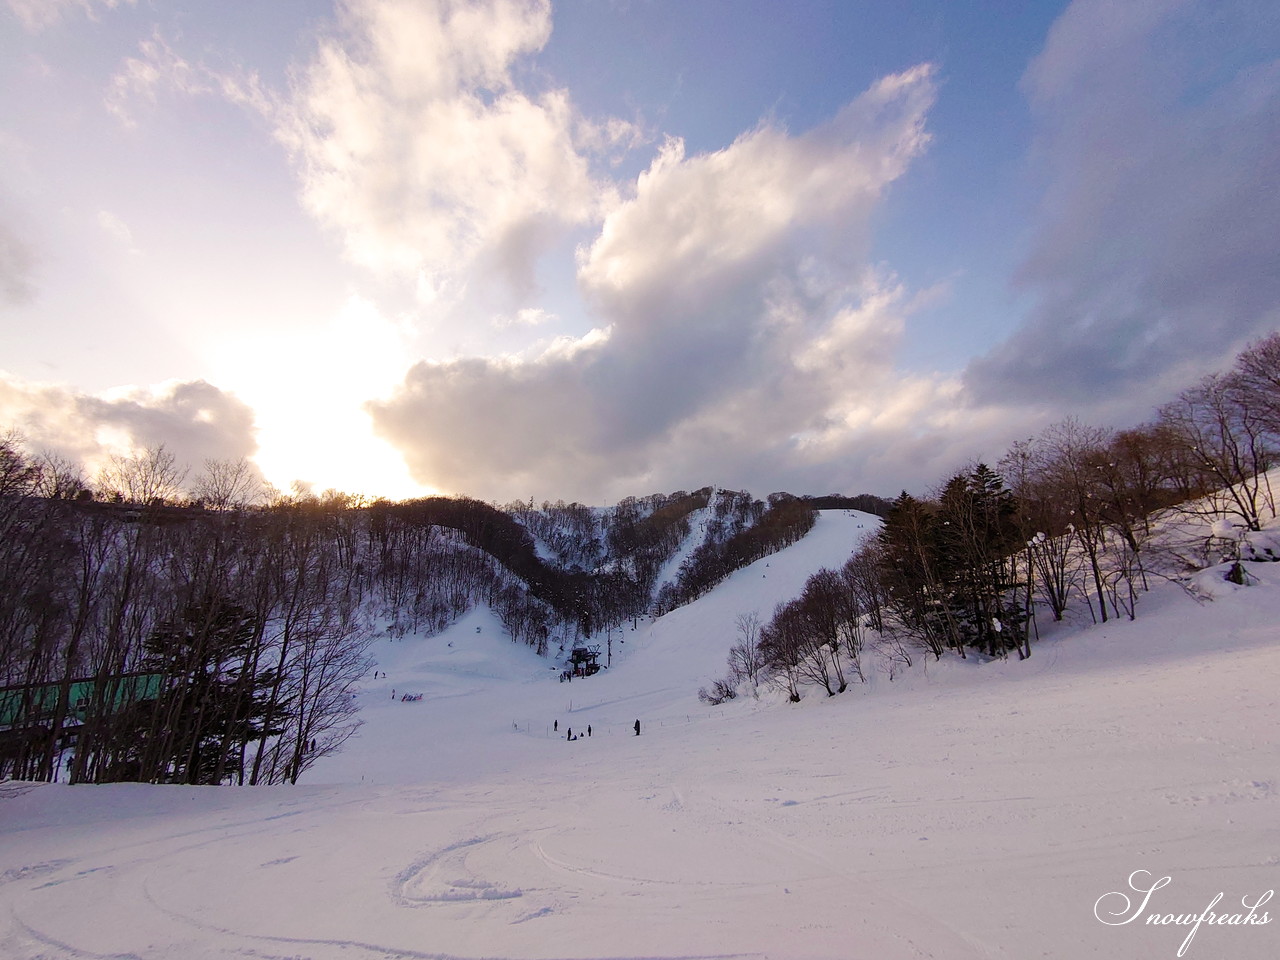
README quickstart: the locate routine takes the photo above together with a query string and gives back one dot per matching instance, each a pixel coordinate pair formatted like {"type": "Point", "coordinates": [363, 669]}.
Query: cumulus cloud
{"type": "Point", "coordinates": [1155, 254]}
{"type": "Point", "coordinates": [739, 324]}
{"type": "Point", "coordinates": [412, 140]}
{"type": "Point", "coordinates": [416, 145]}
{"type": "Point", "coordinates": [194, 420]}
{"type": "Point", "coordinates": [742, 335]}
{"type": "Point", "coordinates": [702, 220]}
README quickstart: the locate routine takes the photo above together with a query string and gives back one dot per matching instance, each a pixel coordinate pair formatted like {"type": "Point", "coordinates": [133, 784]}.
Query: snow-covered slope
{"type": "Point", "coordinates": [696, 536]}
{"type": "Point", "coordinates": [966, 810]}
{"type": "Point", "coordinates": [479, 689]}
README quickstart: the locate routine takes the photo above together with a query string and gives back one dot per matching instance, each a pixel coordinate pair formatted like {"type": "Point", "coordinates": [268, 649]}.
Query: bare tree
{"type": "Point", "coordinates": [1221, 425]}
{"type": "Point", "coordinates": [149, 476]}
{"type": "Point", "coordinates": [1067, 449]}
{"type": "Point", "coordinates": [781, 648]}
{"type": "Point", "coordinates": [1045, 524]}
{"type": "Point", "coordinates": [862, 572]}
{"type": "Point", "coordinates": [229, 485]}
{"type": "Point", "coordinates": [1258, 374]}
{"type": "Point", "coordinates": [60, 479]}
{"type": "Point", "coordinates": [745, 660]}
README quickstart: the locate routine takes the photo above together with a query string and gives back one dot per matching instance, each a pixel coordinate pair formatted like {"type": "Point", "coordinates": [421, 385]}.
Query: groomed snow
{"type": "Point", "coordinates": [965, 810]}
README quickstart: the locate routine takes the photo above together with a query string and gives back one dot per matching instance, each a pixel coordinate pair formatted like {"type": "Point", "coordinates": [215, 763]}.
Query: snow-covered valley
{"type": "Point", "coordinates": [966, 809]}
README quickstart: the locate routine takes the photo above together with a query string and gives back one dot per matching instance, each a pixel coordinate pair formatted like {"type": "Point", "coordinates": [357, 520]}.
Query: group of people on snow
{"type": "Point", "coordinates": [569, 734]}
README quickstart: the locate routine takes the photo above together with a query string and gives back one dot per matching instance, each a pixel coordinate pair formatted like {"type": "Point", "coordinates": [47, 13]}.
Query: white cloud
{"type": "Point", "coordinates": [1153, 258]}
{"type": "Point", "coordinates": [692, 219]}
{"type": "Point", "coordinates": [742, 334]}
{"type": "Point", "coordinates": [38, 14]}
{"type": "Point", "coordinates": [193, 419]}
{"type": "Point", "coordinates": [158, 68]}
{"type": "Point", "coordinates": [525, 317]}
{"type": "Point", "coordinates": [415, 144]}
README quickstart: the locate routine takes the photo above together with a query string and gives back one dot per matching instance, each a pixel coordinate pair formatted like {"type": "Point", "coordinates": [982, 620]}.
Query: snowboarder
{"type": "Point", "coordinates": [637, 728]}
{"type": "Point", "coordinates": [588, 729]}
{"type": "Point", "coordinates": [569, 734]}
{"type": "Point", "coordinates": [555, 726]}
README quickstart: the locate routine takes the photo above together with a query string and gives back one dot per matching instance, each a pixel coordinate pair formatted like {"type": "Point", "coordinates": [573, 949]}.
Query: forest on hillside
{"type": "Point", "coordinates": [157, 630]}
{"type": "Point", "coordinates": [160, 630]}
{"type": "Point", "coordinates": [1078, 516]}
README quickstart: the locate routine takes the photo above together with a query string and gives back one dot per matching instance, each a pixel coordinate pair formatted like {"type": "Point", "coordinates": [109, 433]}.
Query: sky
{"type": "Point", "coordinates": [590, 249]}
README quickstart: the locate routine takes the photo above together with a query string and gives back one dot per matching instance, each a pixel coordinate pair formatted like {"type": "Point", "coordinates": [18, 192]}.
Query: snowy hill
{"type": "Point", "coordinates": [478, 688]}
{"type": "Point", "coordinates": [965, 810]}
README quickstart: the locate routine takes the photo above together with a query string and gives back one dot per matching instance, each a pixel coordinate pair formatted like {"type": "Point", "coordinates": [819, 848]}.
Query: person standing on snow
{"type": "Point", "coordinates": [637, 728]}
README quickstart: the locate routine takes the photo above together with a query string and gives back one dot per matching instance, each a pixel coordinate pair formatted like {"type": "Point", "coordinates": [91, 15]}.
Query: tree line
{"type": "Point", "coordinates": [1078, 516]}
{"type": "Point", "coordinates": [158, 630]}
{"type": "Point", "coordinates": [144, 641]}
{"type": "Point", "coordinates": [740, 531]}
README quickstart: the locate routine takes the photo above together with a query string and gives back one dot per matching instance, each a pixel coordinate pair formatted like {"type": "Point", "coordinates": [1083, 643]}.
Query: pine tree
{"type": "Point", "coordinates": [211, 704]}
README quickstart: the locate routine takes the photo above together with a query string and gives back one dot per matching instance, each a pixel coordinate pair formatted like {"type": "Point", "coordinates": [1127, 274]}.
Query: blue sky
{"type": "Point", "coordinates": [516, 248]}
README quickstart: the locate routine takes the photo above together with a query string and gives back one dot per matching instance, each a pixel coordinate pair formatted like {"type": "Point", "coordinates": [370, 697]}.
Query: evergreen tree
{"type": "Point", "coordinates": [211, 704]}
{"type": "Point", "coordinates": [949, 566]}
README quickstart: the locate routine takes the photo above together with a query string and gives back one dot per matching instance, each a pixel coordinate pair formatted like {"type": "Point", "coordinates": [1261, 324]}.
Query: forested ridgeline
{"type": "Point", "coordinates": [173, 645]}
{"type": "Point", "coordinates": [158, 633]}
{"type": "Point", "coordinates": [628, 546]}
{"type": "Point", "coordinates": [625, 544]}
{"type": "Point", "coordinates": [158, 640]}
{"type": "Point", "coordinates": [739, 531]}
{"type": "Point", "coordinates": [1078, 520]}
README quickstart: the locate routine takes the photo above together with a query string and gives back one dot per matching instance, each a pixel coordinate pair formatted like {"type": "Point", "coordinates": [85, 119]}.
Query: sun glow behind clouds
{"type": "Point", "coordinates": [308, 395]}
{"type": "Point", "coordinates": [729, 286]}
